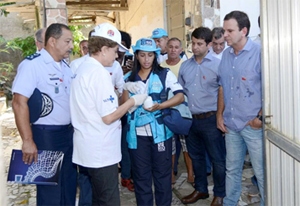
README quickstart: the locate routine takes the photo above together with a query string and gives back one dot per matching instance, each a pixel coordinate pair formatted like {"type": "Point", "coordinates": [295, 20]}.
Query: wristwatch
{"type": "Point", "coordinates": [259, 117]}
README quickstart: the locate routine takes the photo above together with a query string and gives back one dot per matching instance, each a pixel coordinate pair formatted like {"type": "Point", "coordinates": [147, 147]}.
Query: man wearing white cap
{"type": "Point", "coordinates": [95, 115]}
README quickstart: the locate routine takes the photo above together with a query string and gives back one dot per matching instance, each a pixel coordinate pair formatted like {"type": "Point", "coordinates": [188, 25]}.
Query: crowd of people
{"type": "Point", "coordinates": [94, 111]}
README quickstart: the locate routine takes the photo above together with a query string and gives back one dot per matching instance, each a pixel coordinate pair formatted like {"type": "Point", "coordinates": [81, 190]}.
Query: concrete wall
{"type": "Point", "coordinates": [142, 18]}
{"type": "Point", "coordinates": [251, 7]}
{"type": "Point", "coordinates": [13, 26]}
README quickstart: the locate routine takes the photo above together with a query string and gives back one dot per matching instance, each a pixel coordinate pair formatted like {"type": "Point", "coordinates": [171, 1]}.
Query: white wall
{"type": "Point", "coordinates": [250, 7]}
{"type": "Point", "coordinates": [142, 18]}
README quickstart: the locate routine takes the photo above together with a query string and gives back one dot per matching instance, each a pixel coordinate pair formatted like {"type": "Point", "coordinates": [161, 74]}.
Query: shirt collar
{"type": "Point", "coordinates": [93, 60]}
{"type": "Point", "coordinates": [46, 56]}
{"type": "Point", "coordinates": [208, 57]}
{"type": "Point", "coordinates": [247, 47]}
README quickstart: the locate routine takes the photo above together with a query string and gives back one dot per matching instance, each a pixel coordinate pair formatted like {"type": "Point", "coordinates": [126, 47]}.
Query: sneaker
{"type": "Point", "coordinates": [128, 183]}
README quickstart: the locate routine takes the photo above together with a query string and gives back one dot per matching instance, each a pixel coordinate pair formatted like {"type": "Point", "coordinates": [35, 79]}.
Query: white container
{"type": "Point", "coordinates": [148, 103]}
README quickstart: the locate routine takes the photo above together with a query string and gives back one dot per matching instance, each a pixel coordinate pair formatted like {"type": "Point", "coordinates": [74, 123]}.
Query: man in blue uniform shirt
{"type": "Point", "coordinates": [239, 104]}
{"type": "Point", "coordinates": [49, 73]}
{"type": "Point", "coordinates": [199, 79]}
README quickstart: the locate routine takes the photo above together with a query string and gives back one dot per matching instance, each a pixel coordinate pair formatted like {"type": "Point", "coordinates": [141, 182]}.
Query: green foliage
{"type": "Point", "coordinates": [3, 11]}
{"type": "Point", "coordinates": [27, 45]}
{"type": "Point", "coordinates": [5, 69]}
{"type": "Point", "coordinates": [77, 37]}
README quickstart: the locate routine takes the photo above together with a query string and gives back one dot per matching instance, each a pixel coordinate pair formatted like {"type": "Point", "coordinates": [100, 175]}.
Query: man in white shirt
{"type": "Point", "coordinates": [83, 47]}
{"type": "Point", "coordinates": [40, 39]}
{"type": "Point", "coordinates": [218, 42]}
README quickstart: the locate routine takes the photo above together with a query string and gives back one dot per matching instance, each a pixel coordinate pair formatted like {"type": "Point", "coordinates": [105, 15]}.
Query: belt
{"type": "Point", "coordinates": [203, 115]}
{"type": "Point", "coordinates": [52, 127]}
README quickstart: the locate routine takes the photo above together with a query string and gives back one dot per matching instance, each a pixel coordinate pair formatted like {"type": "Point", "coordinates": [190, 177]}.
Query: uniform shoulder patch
{"type": "Point", "coordinates": [33, 56]}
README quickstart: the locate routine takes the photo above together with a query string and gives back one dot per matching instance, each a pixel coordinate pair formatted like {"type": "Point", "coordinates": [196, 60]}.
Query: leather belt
{"type": "Point", "coordinates": [203, 115]}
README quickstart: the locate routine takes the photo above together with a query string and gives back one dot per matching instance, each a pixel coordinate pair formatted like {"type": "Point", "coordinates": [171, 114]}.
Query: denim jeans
{"type": "Point", "coordinates": [204, 136]}
{"type": "Point", "coordinates": [236, 147]}
{"type": "Point", "coordinates": [208, 163]}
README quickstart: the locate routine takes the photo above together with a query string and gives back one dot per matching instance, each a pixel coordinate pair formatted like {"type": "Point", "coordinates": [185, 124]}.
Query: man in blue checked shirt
{"type": "Point", "coordinates": [239, 104]}
{"type": "Point", "coordinates": [199, 79]}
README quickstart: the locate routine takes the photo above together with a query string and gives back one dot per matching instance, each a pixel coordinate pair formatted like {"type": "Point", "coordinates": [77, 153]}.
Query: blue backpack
{"type": "Point", "coordinates": [178, 118]}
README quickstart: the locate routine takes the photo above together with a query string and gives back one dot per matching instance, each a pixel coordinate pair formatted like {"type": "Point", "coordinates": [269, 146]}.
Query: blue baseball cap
{"type": "Point", "coordinates": [35, 105]}
{"type": "Point", "coordinates": [146, 44]}
{"type": "Point", "coordinates": [158, 33]}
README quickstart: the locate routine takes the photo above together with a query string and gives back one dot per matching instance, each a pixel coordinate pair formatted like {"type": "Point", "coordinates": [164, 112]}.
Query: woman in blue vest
{"type": "Point", "coordinates": [149, 140]}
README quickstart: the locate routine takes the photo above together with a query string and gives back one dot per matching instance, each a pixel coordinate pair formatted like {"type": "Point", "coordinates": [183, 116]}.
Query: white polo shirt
{"type": "Point", "coordinates": [115, 71]}
{"type": "Point", "coordinates": [116, 74]}
{"type": "Point", "coordinates": [96, 144]}
{"type": "Point", "coordinates": [76, 63]}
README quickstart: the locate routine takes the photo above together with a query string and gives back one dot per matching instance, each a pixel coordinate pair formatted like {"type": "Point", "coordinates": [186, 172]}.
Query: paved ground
{"type": "Point", "coordinates": [25, 194]}
{"type": "Point", "coordinates": [182, 188]}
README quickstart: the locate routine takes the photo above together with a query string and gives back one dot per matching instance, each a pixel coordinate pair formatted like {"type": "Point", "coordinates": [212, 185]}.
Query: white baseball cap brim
{"type": "Point", "coordinates": [106, 30]}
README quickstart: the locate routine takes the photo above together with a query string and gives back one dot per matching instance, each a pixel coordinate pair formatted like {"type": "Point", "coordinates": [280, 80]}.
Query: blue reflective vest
{"type": "Point", "coordinates": [141, 117]}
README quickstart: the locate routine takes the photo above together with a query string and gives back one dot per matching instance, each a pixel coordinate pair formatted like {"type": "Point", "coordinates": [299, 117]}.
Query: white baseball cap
{"type": "Point", "coordinates": [108, 31]}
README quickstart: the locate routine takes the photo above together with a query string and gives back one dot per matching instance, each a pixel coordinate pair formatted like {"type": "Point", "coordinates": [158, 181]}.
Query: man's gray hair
{"type": "Point", "coordinates": [38, 35]}
{"type": "Point", "coordinates": [217, 32]}
{"type": "Point", "coordinates": [174, 39]}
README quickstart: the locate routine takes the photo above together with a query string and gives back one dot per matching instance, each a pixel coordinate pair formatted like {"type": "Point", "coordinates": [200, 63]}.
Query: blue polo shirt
{"type": "Point", "coordinates": [200, 83]}
{"type": "Point", "coordinates": [240, 77]}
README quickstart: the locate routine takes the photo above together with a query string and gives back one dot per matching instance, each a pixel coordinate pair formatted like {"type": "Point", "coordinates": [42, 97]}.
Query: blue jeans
{"type": "Point", "coordinates": [208, 163]}
{"type": "Point", "coordinates": [236, 147]}
{"type": "Point", "coordinates": [204, 136]}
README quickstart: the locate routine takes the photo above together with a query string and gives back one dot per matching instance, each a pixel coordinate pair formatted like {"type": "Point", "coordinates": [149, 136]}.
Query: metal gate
{"type": "Point", "coordinates": [280, 28]}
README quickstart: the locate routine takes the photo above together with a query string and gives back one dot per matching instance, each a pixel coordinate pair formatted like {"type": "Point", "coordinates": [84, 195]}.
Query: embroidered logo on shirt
{"type": "Point", "coordinates": [55, 78]}
{"type": "Point", "coordinates": [47, 105]}
{"type": "Point", "coordinates": [243, 78]}
{"type": "Point", "coordinates": [204, 77]}
{"type": "Point", "coordinates": [109, 99]}
{"type": "Point", "coordinates": [161, 147]}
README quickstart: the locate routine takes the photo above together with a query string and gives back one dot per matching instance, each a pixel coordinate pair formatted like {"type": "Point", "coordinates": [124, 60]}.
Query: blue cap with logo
{"type": "Point", "coordinates": [146, 44]}
{"type": "Point", "coordinates": [158, 33]}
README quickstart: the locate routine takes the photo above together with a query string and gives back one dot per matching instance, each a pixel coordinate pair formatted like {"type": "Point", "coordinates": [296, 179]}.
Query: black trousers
{"type": "Point", "coordinates": [105, 187]}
